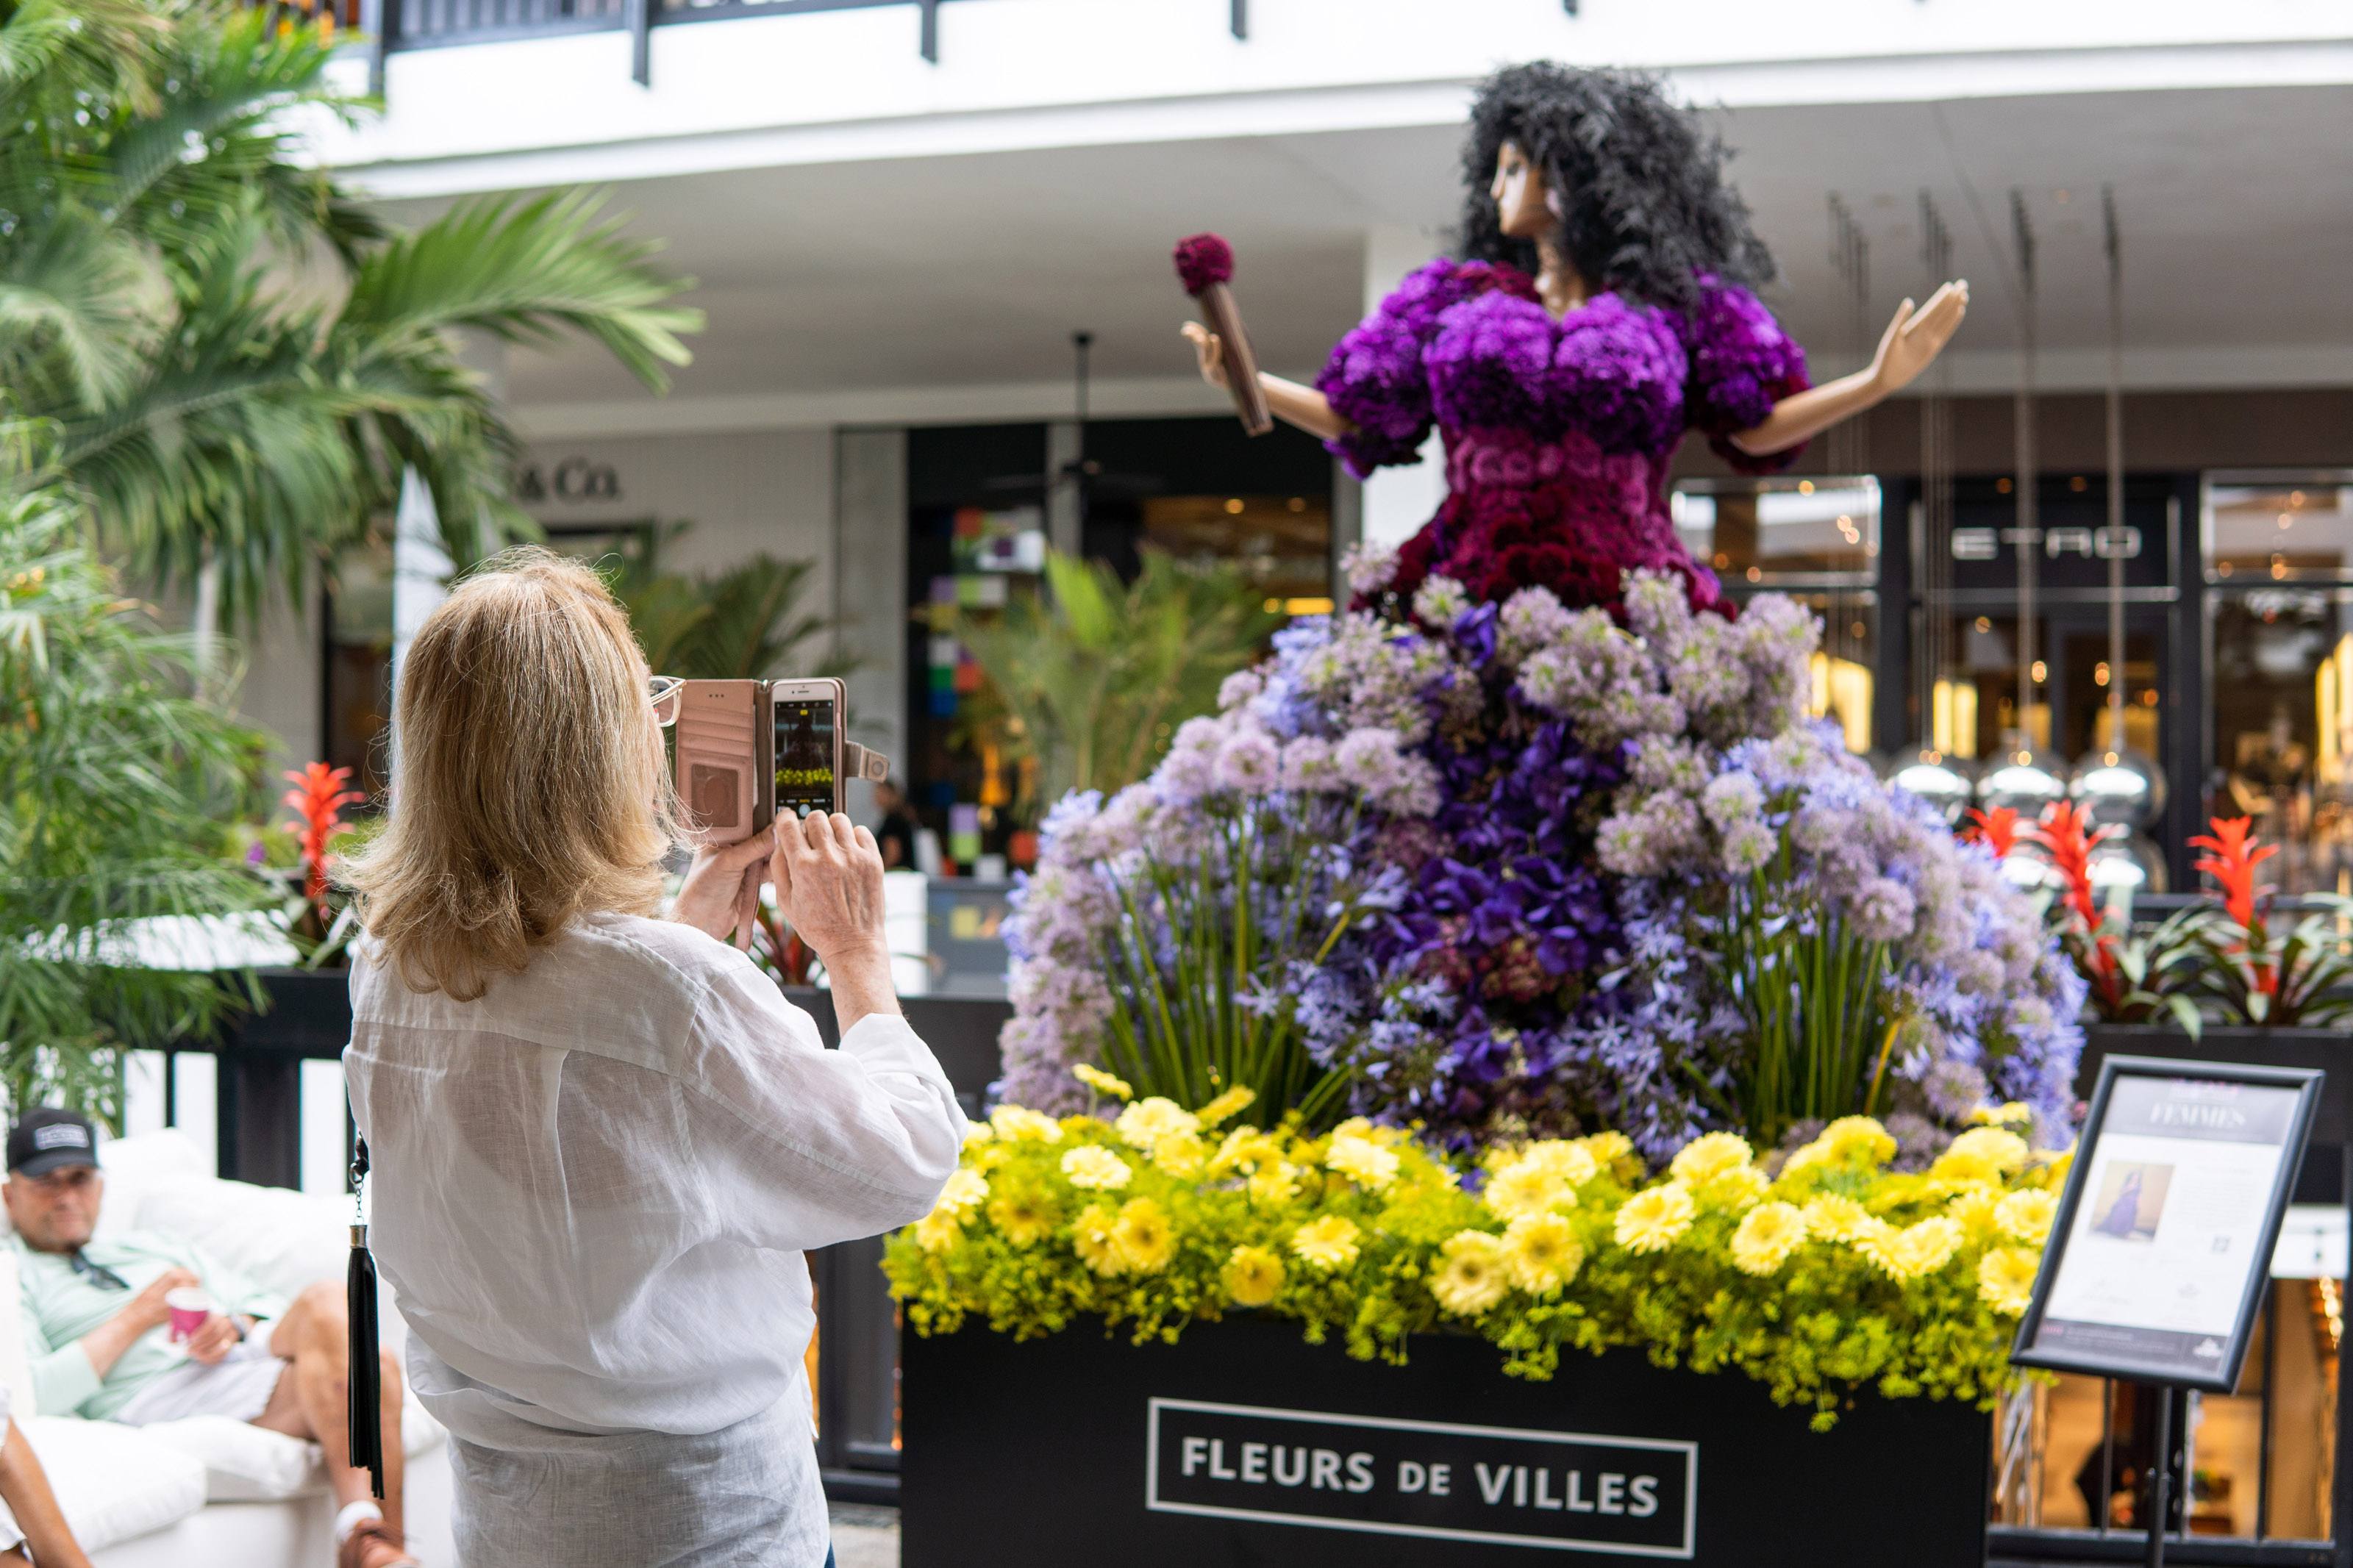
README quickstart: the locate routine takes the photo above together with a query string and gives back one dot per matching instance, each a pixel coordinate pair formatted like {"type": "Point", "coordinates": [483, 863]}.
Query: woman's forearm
{"type": "Point", "coordinates": [1804, 415]}
{"type": "Point", "coordinates": [1303, 407]}
{"type": "Point", "coordinates": [861, 985]}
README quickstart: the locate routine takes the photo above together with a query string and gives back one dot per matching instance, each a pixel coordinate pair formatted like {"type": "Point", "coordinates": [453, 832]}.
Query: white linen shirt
{"type": "Point", "coordinates": [591, 1186]}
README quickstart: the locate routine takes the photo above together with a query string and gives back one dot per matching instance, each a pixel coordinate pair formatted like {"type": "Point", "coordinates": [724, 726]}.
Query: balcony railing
{"type": "Point", "coordinates": [395, 24]}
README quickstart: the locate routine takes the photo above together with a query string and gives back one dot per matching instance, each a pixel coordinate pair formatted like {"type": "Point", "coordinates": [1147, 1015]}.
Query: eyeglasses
{"type": "Point", "coordinates": [665, 690]}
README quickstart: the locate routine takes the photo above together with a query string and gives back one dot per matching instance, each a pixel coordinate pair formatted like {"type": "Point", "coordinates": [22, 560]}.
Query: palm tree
{"type": "Point", "coordinates": [238, 360]}
{"type": "Point", "coordinates": [746, 623]}
{"type": "Point", "coordinates": [114, 787]}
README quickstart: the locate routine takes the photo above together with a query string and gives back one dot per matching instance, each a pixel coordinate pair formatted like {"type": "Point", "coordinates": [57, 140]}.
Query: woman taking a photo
{"type": "Point", "coordinates": [603, 1139]}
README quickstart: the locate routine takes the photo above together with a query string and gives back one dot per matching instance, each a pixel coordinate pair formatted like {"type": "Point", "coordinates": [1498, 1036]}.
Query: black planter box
{"type": "Point", "coordinates": [1241, 1446]}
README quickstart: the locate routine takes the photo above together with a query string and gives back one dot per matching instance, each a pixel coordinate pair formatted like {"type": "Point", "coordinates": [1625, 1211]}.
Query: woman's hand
{"type": "Point", "coordinates": [722, 890]}
{"type": "Point", "coordinates": [829, 878]}
{"type": "Point", "coordinates": [1208, 351]}
{"type": "Point", "coordinates": [1914, 340]}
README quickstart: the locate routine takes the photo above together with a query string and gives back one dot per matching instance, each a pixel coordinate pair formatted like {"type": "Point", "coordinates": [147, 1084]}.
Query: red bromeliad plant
{"type": "Point", "coordinates": [2302, 976]}
{"type": "Point", "coordinates": [2131, 979]}
{"type": "Point", "coordinates": [317, 799]}
{"type": "Point", "coordinates": [1996, 829]}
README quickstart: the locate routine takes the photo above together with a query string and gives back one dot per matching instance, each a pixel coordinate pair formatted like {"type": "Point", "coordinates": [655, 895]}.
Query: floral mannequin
{"type": "Point", "coordinates": [1602, 309]}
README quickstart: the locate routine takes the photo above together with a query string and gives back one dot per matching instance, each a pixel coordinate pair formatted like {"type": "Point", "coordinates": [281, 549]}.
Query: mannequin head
{"type": "Point", "coordinates": [1627, 184]}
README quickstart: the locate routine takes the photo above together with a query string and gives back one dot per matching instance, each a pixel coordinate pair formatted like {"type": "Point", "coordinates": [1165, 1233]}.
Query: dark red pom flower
{"type": "Point", "coordinates": [1203, 259]}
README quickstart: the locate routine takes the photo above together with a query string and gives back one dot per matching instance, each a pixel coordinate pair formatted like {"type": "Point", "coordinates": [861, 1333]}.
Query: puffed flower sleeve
{"type": "Point", "coordinates": [1376, 379]}
{"type": "Point", "coordinates": [1742, 363]}
{"type": "Point", "coordinates": [805, 1147]}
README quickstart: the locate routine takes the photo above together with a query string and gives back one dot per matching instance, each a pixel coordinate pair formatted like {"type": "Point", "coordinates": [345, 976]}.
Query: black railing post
{"type": "Point", "coordinates": [931, 35]}
{"type": "Point", "coordinates": [1238, 18]}
{"type": "Point", "coordinates": [381, 29]}
{"type": "Point", "coordinates": [638, 16]}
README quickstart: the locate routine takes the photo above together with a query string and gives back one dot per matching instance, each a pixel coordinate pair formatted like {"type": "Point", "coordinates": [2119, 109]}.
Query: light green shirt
{"type": "Point", "coordinates": [61, 1305]}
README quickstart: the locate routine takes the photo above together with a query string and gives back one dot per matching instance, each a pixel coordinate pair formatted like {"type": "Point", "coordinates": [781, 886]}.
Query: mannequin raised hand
{"type": "Point", "coordinates": [1911, 343]}
{"type": "Point", "coordinates": [1290, 401]}
{"type": "Point", "coordinates": [1914, 338]}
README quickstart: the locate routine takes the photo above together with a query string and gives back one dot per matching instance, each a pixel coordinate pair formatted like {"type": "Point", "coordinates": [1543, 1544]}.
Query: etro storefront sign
{"type": "Point", "coordinates": [1241, 1447]}
{"type": "Point", "coordinates": [1438, 1480]}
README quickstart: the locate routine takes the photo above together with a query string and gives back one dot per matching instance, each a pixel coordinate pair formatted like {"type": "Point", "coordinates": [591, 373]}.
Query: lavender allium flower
{"type": "Point", "coordinates": [1248, 762]}
{"type": "Point", "coordinates": [1368, 568]}
{"type": "Point", "coordinates": [1439, 601]}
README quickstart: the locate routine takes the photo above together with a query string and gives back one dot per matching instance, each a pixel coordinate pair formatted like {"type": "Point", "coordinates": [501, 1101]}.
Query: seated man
{"type": "Point", "coordinates": [95, 1312]}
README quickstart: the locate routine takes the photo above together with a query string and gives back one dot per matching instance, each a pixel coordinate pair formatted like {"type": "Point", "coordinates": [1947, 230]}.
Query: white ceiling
{"type": "Point", "coordinates": [2236, 205]}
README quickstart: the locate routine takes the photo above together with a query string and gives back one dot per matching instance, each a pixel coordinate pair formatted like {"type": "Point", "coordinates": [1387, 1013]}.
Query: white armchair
{"type": "Point", "coordinates": [212, 1490]}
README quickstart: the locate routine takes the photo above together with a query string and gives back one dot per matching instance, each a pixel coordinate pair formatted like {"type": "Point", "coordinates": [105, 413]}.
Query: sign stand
{"type": "Point", "coordinates": [2161, 1252]}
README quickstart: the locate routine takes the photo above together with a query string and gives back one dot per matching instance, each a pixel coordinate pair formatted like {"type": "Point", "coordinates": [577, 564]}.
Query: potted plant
{"type": "Point", "coordinates": [1444, 987]}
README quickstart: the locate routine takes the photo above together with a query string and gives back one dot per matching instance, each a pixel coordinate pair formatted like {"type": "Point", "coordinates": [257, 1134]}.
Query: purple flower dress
{"type": "Point", "coordinates": [1559, 433]}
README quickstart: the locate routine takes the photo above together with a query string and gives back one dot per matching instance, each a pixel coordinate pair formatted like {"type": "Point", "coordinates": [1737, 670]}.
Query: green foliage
{"type": "Point", "coordinates": [747, 623]}
{"type": "Point", "coordinates": [238, 360]}
{"type": "Point", "coordinates": [114, 783]}
{"type": "Point", "coordinates": [1097, 674]}
{"type": "Point", "coordinates": [1906, 1284]}
{"type": "Point", "coordinates": [2267, 971]}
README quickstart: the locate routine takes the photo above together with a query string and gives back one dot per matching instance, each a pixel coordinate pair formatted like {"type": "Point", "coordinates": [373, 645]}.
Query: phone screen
{"type": "Point", "coordinates": [805, 754]}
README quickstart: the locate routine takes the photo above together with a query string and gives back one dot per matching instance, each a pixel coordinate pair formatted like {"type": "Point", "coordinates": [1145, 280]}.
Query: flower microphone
{"type": "Point", "coordinates": [1205, 264]}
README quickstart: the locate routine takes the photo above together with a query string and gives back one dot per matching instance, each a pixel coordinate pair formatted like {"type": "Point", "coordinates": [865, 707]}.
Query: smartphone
{"type": "Point", "coordinates": [805, 745]}
{"type": "Point", "coordinates": [721, 756]}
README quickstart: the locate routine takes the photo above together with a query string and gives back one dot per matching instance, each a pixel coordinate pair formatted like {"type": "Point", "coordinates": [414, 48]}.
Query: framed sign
{"type": "Point", "coordinates": [2162, 1245]}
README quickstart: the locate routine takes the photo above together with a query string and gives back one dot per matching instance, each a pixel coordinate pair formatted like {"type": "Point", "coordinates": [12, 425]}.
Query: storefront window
{"type": "Point", "coordinates": [2279, 528]}
{"type": "Point", "coordinates": [1816, 541]}
{"type": "Point", "coordinates": [2077, 1454]}
{"type": "Point", "coordinates": [2283, 724]}
{"type": "Point", "coordinates": [358, 698]}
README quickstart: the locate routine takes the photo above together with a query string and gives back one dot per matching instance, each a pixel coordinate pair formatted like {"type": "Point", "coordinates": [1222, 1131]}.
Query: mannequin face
{"type": "Point", "coordinates": [1522, 211]}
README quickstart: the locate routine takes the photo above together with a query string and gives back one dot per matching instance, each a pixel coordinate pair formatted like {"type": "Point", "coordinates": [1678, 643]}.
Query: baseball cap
{"type": "Point", "coordinates": [50, 1139]}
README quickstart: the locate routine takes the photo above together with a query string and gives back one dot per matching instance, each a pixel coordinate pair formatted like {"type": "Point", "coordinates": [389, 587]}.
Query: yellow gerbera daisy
{"type": "Point", "coordinates": [1651, 1221]}
{"type": "Point", "coordinates": [1093, 1165]}
{"type": "Point", "coordinates": [1542, 1253]}
{"type": "Point", "coordinates": [1608, 1148]}
{"type": "Point", "coordinates": [978, 1132]}
{"type": "Point", "coordinates": [1253, 1275]}
{"type": "Point", "coordinates": [1567, 1159]}
{"type": "Point", "coordinates": [1144, 1237]}
{"type": "Point", "coordinates": [1181, 1155]}
{"type": "Point", "coordinates": [1101, 1082]}
{"type": "Point", "coordinates": [2006, 1279]}
{"type": "Point", "coordinates": [937, 1231]}
{"type": "Point", "coordinates": [1974, 1205]}
{"type": "Point", "coordinates": [1766, 1238]}
{"type": "Point", "coordinates": [1920, 1247]}
{"type": "Point", "coordinates": [1018, 1122]}
{"type": "Point", "coordinates": [1023, 1215]}
{"type": "Point", "coordinates": [2026, 1215]}
{"type": "Point", "coordinates": [1470, 1277]}
{"type": "Point", "coordinates": [1328, 1242]}
{"type": "Point", "coordinates": [963, 1193]}
{"type": "Point", "coordinates": [1274, 1183]}
{"type": "Point", "coordinates": [1363, 1161]}
{"type": "Point", "coordinates": [1739, 1189]}
{"type": "Point", "coordinates": [1836, 1218]}
{"type": "Point", "coordinates": [1852, 1135]}
{"type": "Point", "coordinates": [1151, 1118]}
{"type": "Point", "coordinates": [1233, 1102]}
{"type": "Point", "coordinates": [1524, 1187]}
{"type": "Point", "coordinates": [1708, 1156]}
{"type": "Point", "coordinates": [1090, 1237]}
{"type": "Point", "coordinates": [1981, 1154]}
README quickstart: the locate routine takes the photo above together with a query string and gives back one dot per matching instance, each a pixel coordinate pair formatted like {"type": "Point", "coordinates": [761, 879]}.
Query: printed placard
{"type": "Point", "coordinates": [1563, 1491]}
{"type": "Point", "coordinates": [2164, 1235]}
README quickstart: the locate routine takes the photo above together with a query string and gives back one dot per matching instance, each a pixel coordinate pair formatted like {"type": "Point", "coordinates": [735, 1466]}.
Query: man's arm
{"type": "Point", "coordinates": [143, 1314]}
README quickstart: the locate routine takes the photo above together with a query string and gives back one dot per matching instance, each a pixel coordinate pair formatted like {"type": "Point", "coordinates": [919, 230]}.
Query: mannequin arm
{"type": "Point", "coordinates": [1909, 346]}
{"type": "Point", "coordinates": [1290, 401]}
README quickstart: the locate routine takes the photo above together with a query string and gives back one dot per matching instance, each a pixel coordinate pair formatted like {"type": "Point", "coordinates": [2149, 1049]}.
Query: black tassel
{"type": "Point", "coordinates": [367, 1380]}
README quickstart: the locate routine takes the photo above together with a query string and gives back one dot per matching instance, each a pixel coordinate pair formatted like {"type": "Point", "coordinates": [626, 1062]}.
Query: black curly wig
{"type": "Point", "coordinates": [1644, 205]}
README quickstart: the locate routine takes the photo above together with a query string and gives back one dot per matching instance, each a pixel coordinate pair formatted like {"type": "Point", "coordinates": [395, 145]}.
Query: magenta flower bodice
{"type": "Point", "coordinates": [1559, 432]}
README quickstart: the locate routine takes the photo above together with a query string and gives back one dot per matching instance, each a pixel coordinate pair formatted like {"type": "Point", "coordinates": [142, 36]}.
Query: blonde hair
{"type": "Point", "coordinates": [529, 783]}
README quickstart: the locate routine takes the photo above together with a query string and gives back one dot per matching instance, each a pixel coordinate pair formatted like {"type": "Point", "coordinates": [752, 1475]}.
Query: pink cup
{"type": "Point", "coordinates": [189, 1307]}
